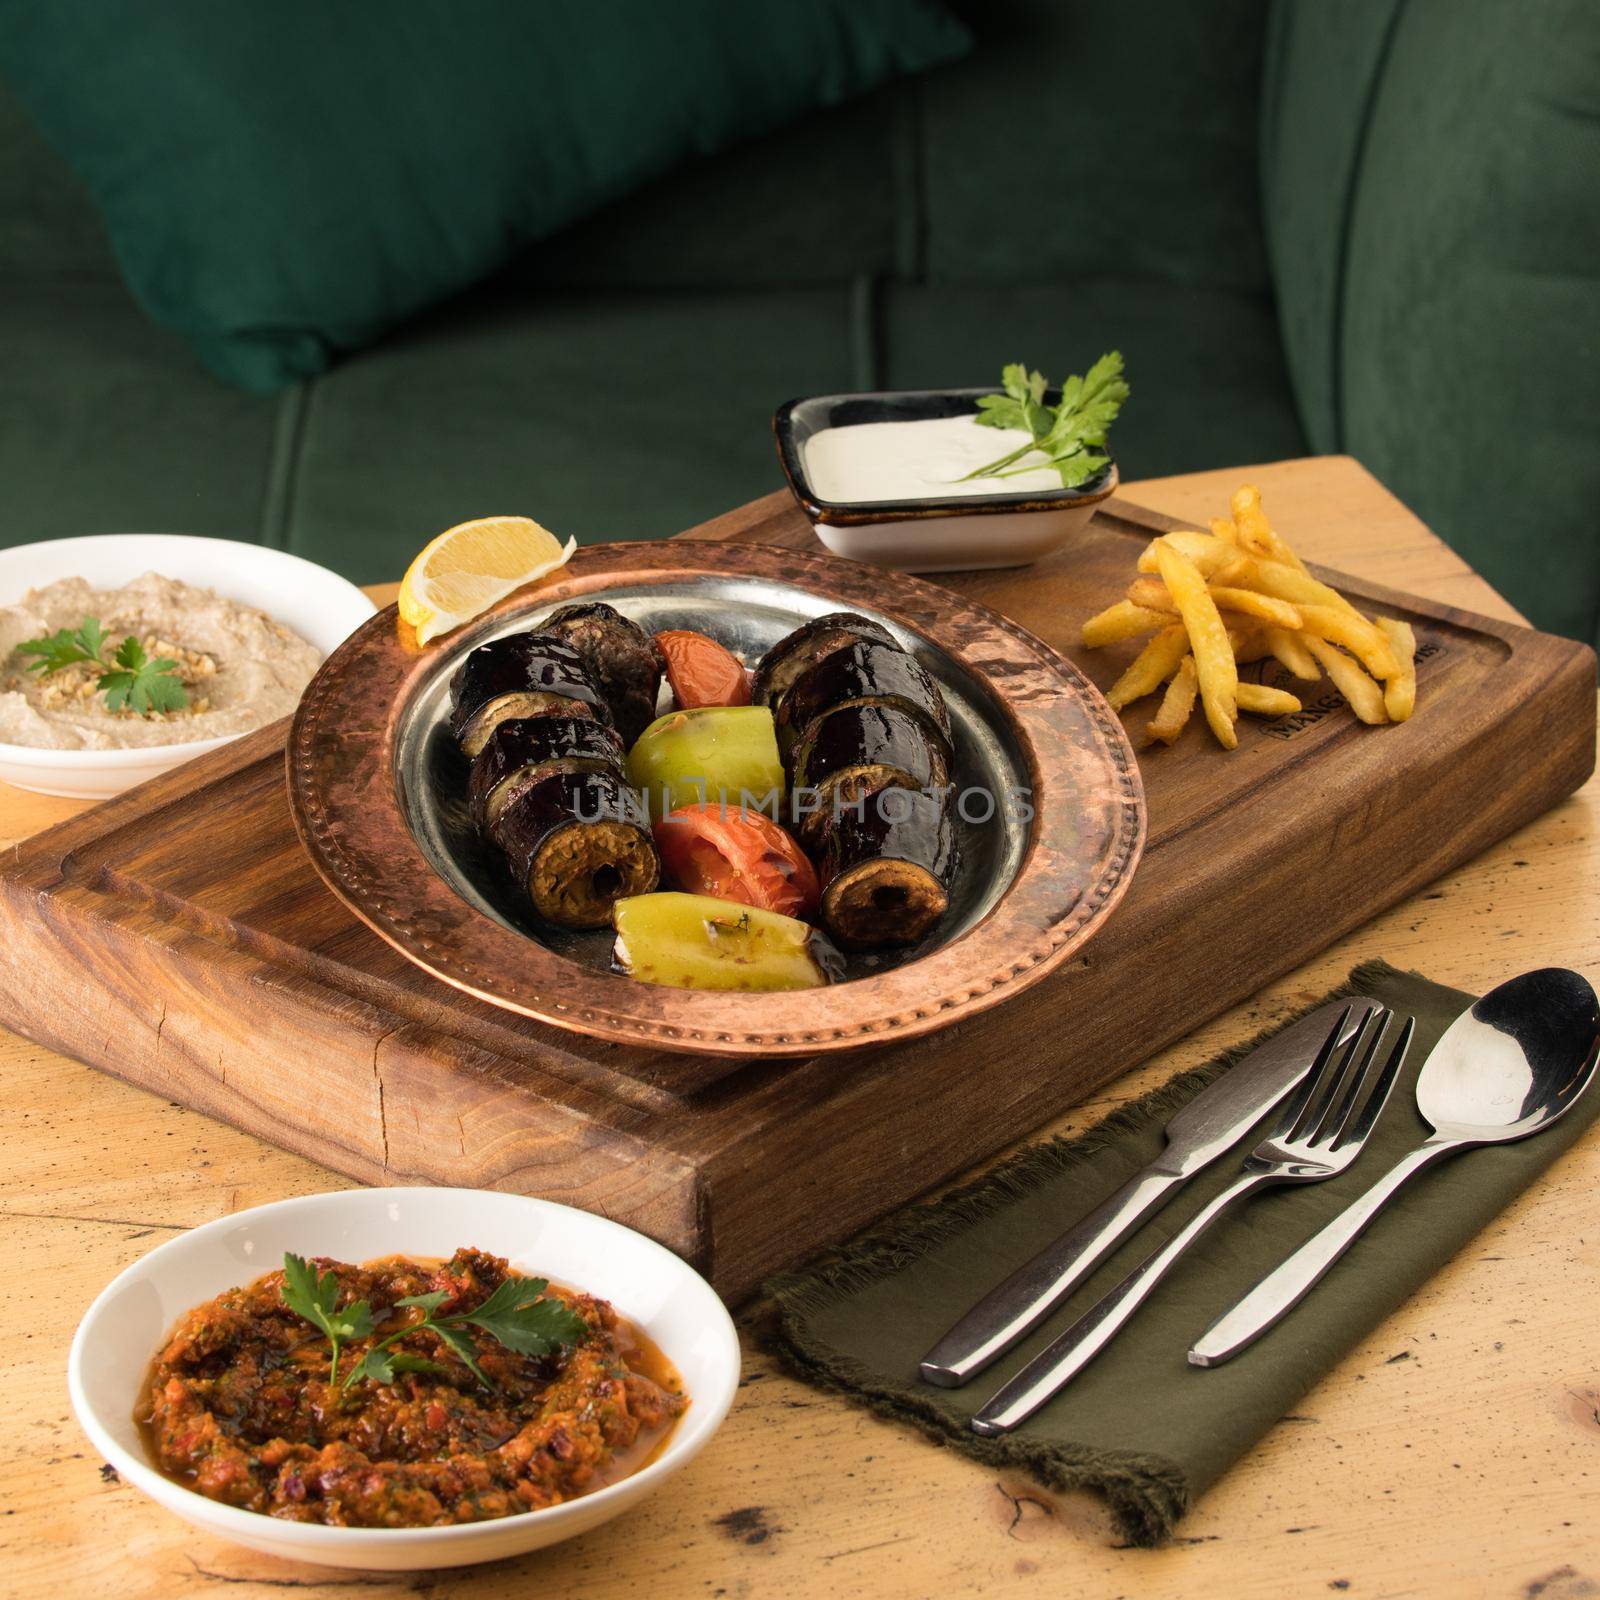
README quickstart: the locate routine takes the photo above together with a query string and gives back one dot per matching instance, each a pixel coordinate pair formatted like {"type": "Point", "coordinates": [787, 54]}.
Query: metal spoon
{"type": "Point", "coordinates": [1507, 1067]}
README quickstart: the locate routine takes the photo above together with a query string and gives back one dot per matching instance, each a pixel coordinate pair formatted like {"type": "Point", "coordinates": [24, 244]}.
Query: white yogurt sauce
{"type": "Point", "coordinates": [924, 460]}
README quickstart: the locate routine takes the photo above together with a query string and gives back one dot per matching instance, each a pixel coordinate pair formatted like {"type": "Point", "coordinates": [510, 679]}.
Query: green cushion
{"type": "Point", "coordinates": [1323, 62]}
{"type": "Point", "coordinates": [107, 425]}
{"type": "Point", "coordinates": [1442, 311]}
{"type": "Point", "coordinates": [282, 184]}
{"type": "Point", "coordinates": [1109, 139]}
{"type": "Point", "coordinates": [1209, 385]}
{"type": "Point", "coordinates": [47, 225]}
{"type": "Point", "coordinates": [470, 412]}
{"type": "Point", "coordinates": [808, 206]}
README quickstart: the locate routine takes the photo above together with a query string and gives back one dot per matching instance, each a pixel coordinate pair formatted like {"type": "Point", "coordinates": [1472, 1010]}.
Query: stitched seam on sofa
{"type": "Point", "coordinates": [1358, 161]}
{"type": "Point", "coordinates": [283, 468]}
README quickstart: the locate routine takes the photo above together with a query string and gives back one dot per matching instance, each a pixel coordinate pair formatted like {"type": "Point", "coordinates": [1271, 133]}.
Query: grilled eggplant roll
{"type": "Point", "coordinates": [801, 650]}
{"type": "Point", "coordinates": [866, 673]}
{"type": "Point", "coordinates": [625, 661]}
{"type": "Point", "coordinates": [521, 675]}
{"type": "Point", "coordinates": [887, 867]}
{"type": "Point", "coordinates": [857, 750]}
{"type": "Point", "coordinates": [525, 750]}
{"type": "Point", "coordinates": [578, 842]}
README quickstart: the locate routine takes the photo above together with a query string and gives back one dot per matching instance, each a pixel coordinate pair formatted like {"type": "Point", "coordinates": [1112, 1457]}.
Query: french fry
{"type": "Point", "coordinates": [1249, 519]}
{"type": "Point", "coordinates": [1213, 660]}
{"type": "Point", "coordinates": [1290, 649]}
{"type": "Point", "coordinates": [1207, 552]}
{"type": "Point", "coordinates": [1400, 691]}
{"type": "Point", "coordinates": [1265, 702]}
{"type": "Point", "coordinates": [1356, 634]}
{"type": "Point", "coordinates": [1299, 588]}
{"type": "Point", "coordinates": [1150, 668]}
{"type": "Point", "coordinates": [1255, 532]}
{"type": "Point", "coordinates": [1247, 641]}
{"type": "Point", "coordinates": [1124, 620]}
{"type": "Point", "coordinates": [1152, 594]}
{"type": "Point", "coordinates": [1213, 601]}
{"type": "Point", "coordinates": [1350, 679]}
{"type": "Point", "coordinates": [1282, 552]}
{"type": "Point", "coordinates": [1251, 604]}
{"type": "Point", "coordinates": [1176, 705]}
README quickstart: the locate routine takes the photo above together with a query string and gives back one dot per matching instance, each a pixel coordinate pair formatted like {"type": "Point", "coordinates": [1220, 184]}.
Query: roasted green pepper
{"type": "Point", "coordinates": [726, 755]}
{"type": "Point", "coordinates": [690, 941]}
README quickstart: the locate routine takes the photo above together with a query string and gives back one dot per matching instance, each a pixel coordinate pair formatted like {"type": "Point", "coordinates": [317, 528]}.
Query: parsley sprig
{"type": "Point", "coordinates": [66, 648]}
{"type": "Point", "coordinates": [518, 1314]}
{"type": "Point", "coordinates": [315, 1296]}
{"type": "Point", "coordinates": [1068, 433]}
{"type": "Point", "coordinates": [130, 681]}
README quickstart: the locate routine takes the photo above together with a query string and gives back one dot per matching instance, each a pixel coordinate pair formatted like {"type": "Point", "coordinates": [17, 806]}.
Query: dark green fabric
{"type": "Point", "coordinates": [1209, 385]}
{"type": "Point", "coordinates": [467, 415]}
{"type": "Point", "coordinates": [817, 204]}
{"type": "Point", "coordinates": [108, 426]}
{"type": "Point", "coordinates": [1322, 67]}
{"type": "Point", "coordinates": [1471, 337]}
{"type": "Point", "coordinates": [1087, 139]}
{"type": "Point", "coordinates": [48, 228]}
{"type": "Point", "coordinates": [1140, 1424]}
{"type": "Point", "coordinates": [1432, 185]}
{"type": "Point", "coordinates": [284, 183]}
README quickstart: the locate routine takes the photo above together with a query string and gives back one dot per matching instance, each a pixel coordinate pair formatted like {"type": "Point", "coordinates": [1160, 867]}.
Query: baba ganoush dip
{"type": "Point", "coordinates": [239, 669]}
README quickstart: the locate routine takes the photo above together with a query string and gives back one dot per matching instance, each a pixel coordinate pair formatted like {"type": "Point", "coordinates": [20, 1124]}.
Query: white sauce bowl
{"type": "Point", "coordinates": [323, 608]}
{"type": "Point", "coordinates": [122, 1331]}
{"type": "Point", "coordinates": [958, 532]}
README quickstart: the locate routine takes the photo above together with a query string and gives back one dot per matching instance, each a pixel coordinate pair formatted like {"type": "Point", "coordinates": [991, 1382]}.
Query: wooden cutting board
{"type": "Point", "coordinates": [178, 938]}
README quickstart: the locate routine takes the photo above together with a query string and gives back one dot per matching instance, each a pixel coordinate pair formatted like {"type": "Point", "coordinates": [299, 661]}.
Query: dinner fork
{"type": "Point", "coordinates": [1320, 1131]}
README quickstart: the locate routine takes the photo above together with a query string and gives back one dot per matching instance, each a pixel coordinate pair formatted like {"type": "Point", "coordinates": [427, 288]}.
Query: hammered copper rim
{"type": "Point", "coordinates": [1085, 839]}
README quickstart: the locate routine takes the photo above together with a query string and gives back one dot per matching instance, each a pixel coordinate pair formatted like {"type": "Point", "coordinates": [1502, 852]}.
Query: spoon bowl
{"type": "Point", "coordinates": [1513, 1061]}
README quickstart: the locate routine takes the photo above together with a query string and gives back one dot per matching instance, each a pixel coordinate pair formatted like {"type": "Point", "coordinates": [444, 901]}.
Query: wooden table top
{"type": "Point", "coordinates": [1452, 1454]}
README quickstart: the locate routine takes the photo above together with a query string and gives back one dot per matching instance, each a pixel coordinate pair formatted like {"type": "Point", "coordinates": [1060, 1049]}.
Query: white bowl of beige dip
{"type": "Point", "coordinates": [246, 627]}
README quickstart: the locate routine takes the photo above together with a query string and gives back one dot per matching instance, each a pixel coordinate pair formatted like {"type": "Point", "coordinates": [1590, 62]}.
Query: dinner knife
{"type": "Point", "coordinates": [1210, 1125]}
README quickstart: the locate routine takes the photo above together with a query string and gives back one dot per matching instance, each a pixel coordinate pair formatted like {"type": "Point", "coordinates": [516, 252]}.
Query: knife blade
{"type": "Point", "coordinates": [1210, 1125]}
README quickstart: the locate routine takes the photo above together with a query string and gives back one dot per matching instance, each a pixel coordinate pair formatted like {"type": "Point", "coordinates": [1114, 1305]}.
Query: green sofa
{"type": "Point", "coordinates": [1370, 226]}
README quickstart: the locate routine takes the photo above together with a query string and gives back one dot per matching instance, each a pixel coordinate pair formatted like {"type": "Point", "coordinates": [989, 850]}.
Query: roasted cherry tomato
{"type": "Point", "coordinates": [719, 851]}
{"type": "Point", "coordinates": [688, 941]}
{"type": "Point", "coordinates": [701, 671]}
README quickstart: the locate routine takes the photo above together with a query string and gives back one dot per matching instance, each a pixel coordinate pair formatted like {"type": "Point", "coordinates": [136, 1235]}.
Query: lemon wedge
{"type": "Point", "coordinates": [459, 575]}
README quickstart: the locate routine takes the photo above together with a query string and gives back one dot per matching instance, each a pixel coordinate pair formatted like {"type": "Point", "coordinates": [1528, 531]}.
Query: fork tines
{"type": "Point", "coordinates": [1339, 1099]}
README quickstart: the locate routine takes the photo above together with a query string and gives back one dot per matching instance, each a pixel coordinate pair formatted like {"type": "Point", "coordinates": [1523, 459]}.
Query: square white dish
{"type": "Point", "coordinates": [954, 533]}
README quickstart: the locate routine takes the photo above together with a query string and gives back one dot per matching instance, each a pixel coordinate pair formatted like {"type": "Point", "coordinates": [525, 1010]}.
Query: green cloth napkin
{"type": "Point", "coordinates": [1140, 1424]}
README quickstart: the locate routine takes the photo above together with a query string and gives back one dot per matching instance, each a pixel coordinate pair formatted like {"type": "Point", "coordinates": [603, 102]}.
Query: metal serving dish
{"type": "Point", "coordinates": [378, 791]}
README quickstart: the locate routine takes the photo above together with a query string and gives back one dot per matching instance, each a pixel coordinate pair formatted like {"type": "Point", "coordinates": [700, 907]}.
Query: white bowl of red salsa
{"type": "Point", "coordinates": [688, 1346]}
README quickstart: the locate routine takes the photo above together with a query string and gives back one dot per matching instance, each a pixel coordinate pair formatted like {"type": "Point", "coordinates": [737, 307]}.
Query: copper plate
{"type": "Point", "coordinates": [376, 791]}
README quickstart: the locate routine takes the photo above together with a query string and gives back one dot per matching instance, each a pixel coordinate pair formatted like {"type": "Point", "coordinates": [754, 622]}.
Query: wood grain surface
{"type": "Point", "coordinates": [180, 938]}
{"type": "Point", "coordinates": [1453, 1454]}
